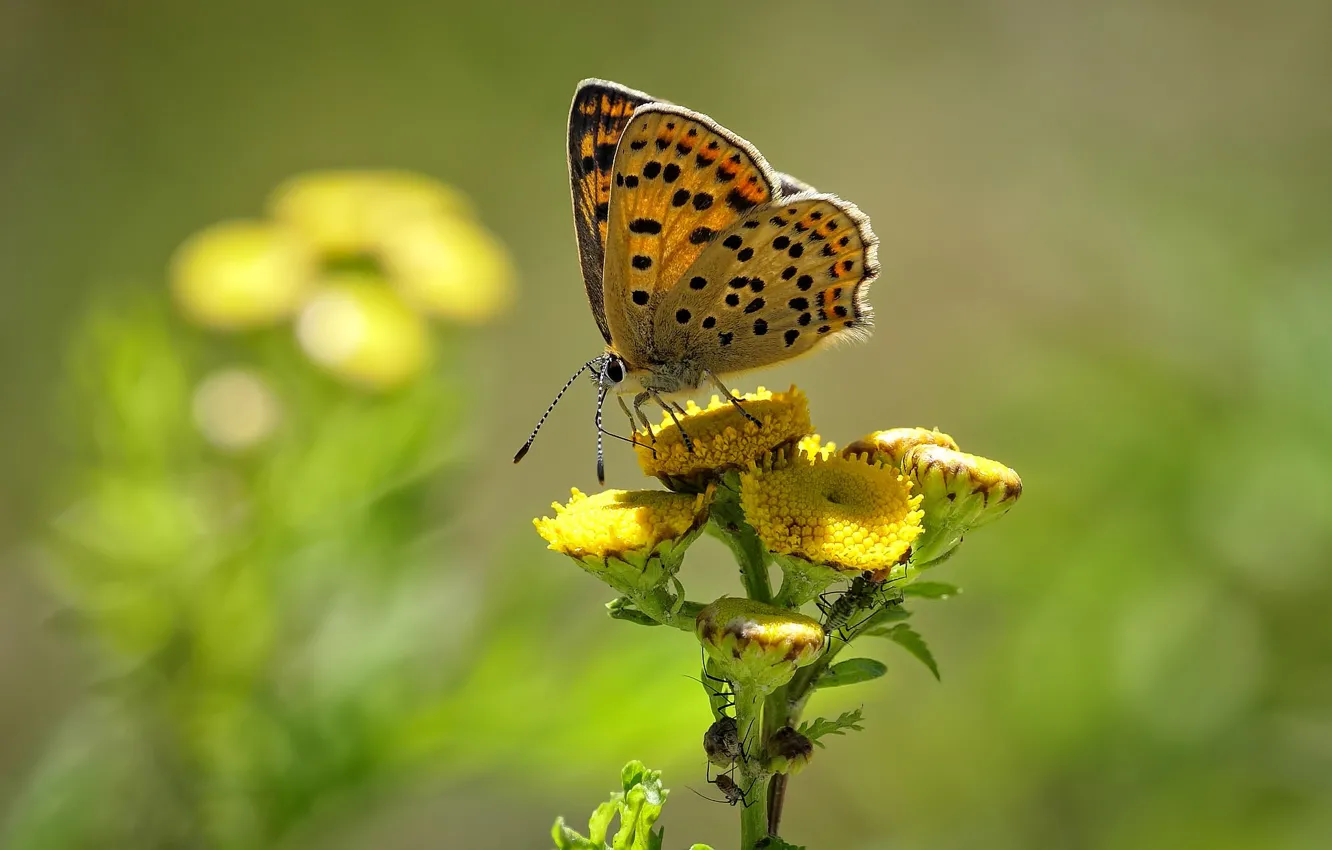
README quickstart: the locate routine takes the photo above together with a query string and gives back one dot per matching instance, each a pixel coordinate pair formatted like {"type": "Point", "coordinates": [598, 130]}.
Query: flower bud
{"type": "Point", "coordinates": [891, 446]}
{"type": "Point", "coordinates": [235, 409]}
{"type": "Point", "coordinates": [961, 492]}
{"type": "Point", "coordinates": [788, 751]}
{"type": "Point", "coordinates": [756, 645]}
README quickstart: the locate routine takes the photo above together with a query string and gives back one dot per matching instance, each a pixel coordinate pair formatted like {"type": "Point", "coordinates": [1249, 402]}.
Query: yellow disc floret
{"type": "Point", "coordinates": [848, 514]}
{"type": "Point", "coordinates": [961, 492]}
{"type": "Point", "coordinates": [722, 437]}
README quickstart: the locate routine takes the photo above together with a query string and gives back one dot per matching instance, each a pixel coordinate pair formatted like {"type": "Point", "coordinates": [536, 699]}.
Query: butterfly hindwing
{"type": "Point", "coordinates": [786, 278]}
{"type": "Point", "coordinates": [679, 181]}
{"type": "Point", "coordinates": [600, 112]}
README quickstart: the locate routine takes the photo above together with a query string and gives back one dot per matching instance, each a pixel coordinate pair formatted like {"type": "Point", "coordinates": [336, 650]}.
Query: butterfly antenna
{"type": "Point", "coordinates": [542, 421]}
{"type": "Point", "coordinates": [601, 454]}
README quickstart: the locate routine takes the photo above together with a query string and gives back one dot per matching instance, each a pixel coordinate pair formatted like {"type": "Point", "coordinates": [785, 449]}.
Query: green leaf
{"type": "Point", "coordinates": [624, 608]}
{"type": "Point", "coordinates": [638, 807]}
{"type": "Point", "coordinates": [820, 726]}
{"type": "Point", "coordinates": [884, 616]}
{"type": "Point", "coordinates": [772, 842]}
{"type": "Point", "coordinates": [910, 640]}
{"type": "Point", "coordinates": [851, 672]}
{"type": "Point", "coordinates": [932, 589]}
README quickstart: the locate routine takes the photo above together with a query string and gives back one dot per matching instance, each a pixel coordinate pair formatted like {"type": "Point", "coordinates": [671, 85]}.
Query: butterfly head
{"type": "Point", "coordinates": [609, 372]}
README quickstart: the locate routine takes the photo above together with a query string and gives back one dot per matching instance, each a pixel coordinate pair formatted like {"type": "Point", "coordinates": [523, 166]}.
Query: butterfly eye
{"type": "Point", "coordinates": [615, 370]}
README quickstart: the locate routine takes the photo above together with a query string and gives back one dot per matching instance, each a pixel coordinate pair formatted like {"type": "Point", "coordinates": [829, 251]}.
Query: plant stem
{"type": "Point", "coordinates": [754, 780]}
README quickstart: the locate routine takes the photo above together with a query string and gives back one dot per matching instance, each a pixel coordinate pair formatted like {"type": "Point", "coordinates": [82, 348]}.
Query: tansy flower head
{"type": "Point", "coordinates": [891, 446]}
{"type": "Point", "coordinates": [846, 514]}
{"type": "Point", "coordinates": [634, 540]}
{"type": "Point", "coordinates": [722, 437]}
{"type": "Point", "coordinates": [961, 492]}
{"type": "Point", "coordinates": [757, 645]}
{"type": "Point", "coordinates": [242, 274]}
{"type": "Point", "coordinates": [351, 212]}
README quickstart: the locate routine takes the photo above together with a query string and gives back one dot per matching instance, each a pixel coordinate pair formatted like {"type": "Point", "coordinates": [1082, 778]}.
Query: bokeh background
{"type": "Point", "coordinates": [1107, 262]}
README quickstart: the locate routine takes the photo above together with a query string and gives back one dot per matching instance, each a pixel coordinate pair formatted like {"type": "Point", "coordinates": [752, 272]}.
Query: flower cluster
{"type": "Point", "coordinates": [886, 507]}
{"type": "Point", "coordinates": [358, 261]}
{"type": "Point", "coordinates": [874, 515]}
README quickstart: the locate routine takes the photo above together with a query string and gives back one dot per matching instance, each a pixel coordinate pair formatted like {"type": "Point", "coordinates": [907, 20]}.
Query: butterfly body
{"type": "Point", "coordinates": [699, 260]}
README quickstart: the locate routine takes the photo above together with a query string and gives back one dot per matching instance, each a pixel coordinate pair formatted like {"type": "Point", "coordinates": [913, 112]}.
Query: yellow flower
{"type": "Point", "coordinates": [361, 331]}
{"type": "Point", "coordinates": [351, 212]}
{"type": "Point", "coordinates": [633, 540]}
{"type": "Point", "coordinates": [960, 491]}
{"type": "Point", "coordinates": [722, 437]}
{"type": "Point", "coordinates": [241, 274]}
{"type": "Point", "coordinates": [756, 645]}
{"type": "Point", "coordinates": [892, 445]}
{"type": "Point", "coordinates": [450, 267]}
{"type": "Point", "coordinates": [846, 514]}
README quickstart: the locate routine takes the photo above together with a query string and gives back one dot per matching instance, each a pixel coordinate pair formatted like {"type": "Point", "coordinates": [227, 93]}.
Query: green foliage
{"type": "Point", "coordinates": [637, 805]}
{"type": "Point", "coordinates": [851, 672]}
{"type": "Point", "coordinates": [821, 726]}
{"type": "Point", "coordinates": [910, 640]}
{"type": "Point", "coordinates": [931, 589]}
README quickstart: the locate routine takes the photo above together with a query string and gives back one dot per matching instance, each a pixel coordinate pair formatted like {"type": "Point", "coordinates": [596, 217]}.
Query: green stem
{"type": "Point", "coordinates": [753, 560]}
{"type": "Point", "coordinates": [753, 781]}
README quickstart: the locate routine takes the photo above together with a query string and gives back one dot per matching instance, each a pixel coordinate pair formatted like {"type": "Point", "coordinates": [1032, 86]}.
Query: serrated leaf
{"type": "Point", "coordinates": [910, 640]}
{"type": "Point", "coordinates": [932, 589]}
{"type": "Point", "coordinates": [851, 672]}
{"type": "Point", "coordinates": [821, 726]}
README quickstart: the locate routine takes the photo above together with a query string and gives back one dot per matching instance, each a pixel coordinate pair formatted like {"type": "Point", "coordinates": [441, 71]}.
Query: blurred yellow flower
{"type": "Point", "coordinates": [841, 513]}
{"type": "Point", "coordinates": [235, 409]}
{"type": "Point", "coordinates": [450, 267]}
{"type": "Point", "coordinates": [360, 330]}
{"type": "Point", "coordinates": [241, 274]}
{"type": "Point", "coordinates": [352, 212]}
{"type": "Point", "coordinates": [722, 437]}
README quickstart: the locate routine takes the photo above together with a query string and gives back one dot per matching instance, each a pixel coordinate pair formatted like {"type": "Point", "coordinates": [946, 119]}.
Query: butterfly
{"type": "Point", "coordinates": [699, 260]}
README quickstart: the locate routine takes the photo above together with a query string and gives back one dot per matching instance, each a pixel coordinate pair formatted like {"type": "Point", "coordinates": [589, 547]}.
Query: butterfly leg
{"type": "Point", "coordinates": [633, 426]}
{"type": "Point", "coordinates": [716, 382]}
{"type": "Point", "coordinates": [639, 401]}
{"type": "Point", "coordinates": [684, 435]}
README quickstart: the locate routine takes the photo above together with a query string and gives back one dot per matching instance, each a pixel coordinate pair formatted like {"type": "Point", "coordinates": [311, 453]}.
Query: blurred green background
{"type": "Point", "coordinates": [1107, 262]}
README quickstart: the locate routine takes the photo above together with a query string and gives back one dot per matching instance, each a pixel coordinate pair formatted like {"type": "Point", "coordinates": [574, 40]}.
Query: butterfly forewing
{"type": "Point", "coordinates": [784, 279]}
{"type": "Point", "coordinates": [679, 181]}
{"type": "Point", "coordinates": [600, 112]}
